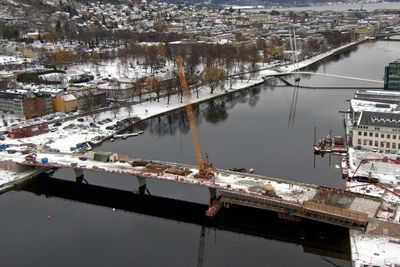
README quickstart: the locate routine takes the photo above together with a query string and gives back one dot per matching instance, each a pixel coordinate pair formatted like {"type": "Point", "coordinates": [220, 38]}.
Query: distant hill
{"type": "Point", "coordinates": [31, 14]}
{"type": "Point", "coordinates": [261, 2]}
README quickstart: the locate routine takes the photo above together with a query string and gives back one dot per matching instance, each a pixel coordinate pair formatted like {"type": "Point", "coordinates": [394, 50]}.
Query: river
{"type": "Point", "coordinates": [331, 7]}
{"type": "Point", "coordinates": [269, 128]}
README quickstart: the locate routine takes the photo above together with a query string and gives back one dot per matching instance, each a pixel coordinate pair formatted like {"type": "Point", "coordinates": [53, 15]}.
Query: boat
{"type": "Point", "coordinates": [243, 170]}
{"type": "Point", "coordinates": [335, 145]}
{"type": "Point", "coordinates": [96, 140]}
{"type": "Point", "coordinates": [126, 135]}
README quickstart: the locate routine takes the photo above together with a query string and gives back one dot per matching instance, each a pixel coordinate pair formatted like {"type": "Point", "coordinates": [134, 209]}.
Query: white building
{"type": "Point", "coordinates": [377, 130]}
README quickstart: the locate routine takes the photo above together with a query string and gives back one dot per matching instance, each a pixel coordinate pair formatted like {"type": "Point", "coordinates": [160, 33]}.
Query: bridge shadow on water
{"type": "Point", "coordinates": [316, 238]}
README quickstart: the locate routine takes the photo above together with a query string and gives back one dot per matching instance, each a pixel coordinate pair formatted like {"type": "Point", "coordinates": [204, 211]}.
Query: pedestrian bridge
{"type": "Point", "coordinates": [326, 75]}
{"type": "Point", "coordinates": [291, 200]}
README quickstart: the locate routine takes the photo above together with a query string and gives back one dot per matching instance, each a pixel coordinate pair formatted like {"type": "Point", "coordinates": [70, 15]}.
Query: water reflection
{"type": "Point", "coordinates": [214, 111]}
{"type": "Point", "coordinates": [331, 59]}
{"type": "Point", "coordinates": [253, 222]}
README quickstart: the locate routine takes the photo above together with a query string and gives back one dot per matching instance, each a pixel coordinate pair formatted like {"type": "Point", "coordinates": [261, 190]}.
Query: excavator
{"type": "Point", "coordinates": [206, 170]}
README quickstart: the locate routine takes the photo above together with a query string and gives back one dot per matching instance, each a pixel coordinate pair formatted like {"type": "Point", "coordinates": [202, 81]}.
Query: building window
{"type": "Point", "coordinates": [371, 134]}
{"type": "Point", "coordinates": [376, 135]}
{"type": "Point", "coordinates": [359, 133]}
{"type": "Point", "coordinates": [370, 143]}
{"type": "Point", "coordinates": [365, 142]}
{"type": "Point", "coordinates": [382, 136]}
{"type": "Point", "coordinates": [387, 144]}
{"type": "Point", "coordinates": [365, 133]}
{"type": "Point", "coordinates": [393, 145]}
{"type": "Point", "coordinates": [394, 137]}
{"type": "Point", "coordinates": [382, 144]}
{"type": "Point", "coordinates": [359, 141]}
{"type": "Point", "coordinates": [388, 136]}
{"type": "Point", "coordinates": [376, 143]}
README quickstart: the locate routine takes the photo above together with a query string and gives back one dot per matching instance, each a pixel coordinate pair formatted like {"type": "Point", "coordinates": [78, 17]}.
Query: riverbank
{"type": "Point", "coordinates": [71, 133]}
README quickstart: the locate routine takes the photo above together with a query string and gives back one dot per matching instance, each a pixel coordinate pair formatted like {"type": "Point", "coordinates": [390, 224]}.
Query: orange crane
{"type": "Point", "coordinates": [206, 171]}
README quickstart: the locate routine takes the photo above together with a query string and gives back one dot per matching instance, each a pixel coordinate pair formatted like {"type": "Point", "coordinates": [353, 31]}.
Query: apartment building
{"type": "Point", "coordinates": [377, 130]}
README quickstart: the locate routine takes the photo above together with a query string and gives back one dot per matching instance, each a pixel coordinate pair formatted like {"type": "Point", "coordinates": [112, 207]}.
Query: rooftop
{"type": "Point", "coordinates": [383, 119]}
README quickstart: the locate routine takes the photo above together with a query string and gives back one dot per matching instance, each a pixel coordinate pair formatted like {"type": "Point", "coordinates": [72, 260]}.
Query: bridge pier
{"type": "Point", "coordinates": [213, 194]}
{"type": "Point", "coordinates": [79, 176]}
{"type": "Point", "coordinates": [289, 217]}
{"type": "Point", "coordinates": [142, 185]}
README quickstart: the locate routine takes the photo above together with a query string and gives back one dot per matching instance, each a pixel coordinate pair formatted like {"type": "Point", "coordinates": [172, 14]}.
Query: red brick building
{"type": "Point", "coordinates": [28, 130]}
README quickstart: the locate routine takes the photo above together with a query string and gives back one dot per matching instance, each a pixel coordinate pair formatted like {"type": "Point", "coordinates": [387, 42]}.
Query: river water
{"type": "Point", "coordinates": [333, 7]}
{"type": "Point", "coordinates": [269, 128]}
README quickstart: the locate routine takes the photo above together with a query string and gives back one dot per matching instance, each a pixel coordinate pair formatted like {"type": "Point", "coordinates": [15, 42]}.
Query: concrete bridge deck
{"type": "Point", "coordinates": [291, 199]}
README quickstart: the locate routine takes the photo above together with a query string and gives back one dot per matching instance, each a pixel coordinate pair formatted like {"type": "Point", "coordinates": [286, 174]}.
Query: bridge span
{"type": "Point", "coordinates": [291, 200]}
{"type": "Point", "coordinates": [326, 75]}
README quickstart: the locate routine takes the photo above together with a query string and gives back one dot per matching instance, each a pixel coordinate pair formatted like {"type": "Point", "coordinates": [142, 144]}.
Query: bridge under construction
{"type": "Point", "coordinates": [291, 200]}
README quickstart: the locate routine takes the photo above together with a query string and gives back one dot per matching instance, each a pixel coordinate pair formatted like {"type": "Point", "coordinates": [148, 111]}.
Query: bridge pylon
{"type": "Point", "coordinates": [142, 185]}
{"type": "Point", "coordinates": [79, 176]}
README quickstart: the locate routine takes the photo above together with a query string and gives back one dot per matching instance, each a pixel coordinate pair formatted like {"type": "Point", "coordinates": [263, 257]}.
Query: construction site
{"type": "Point", "coordinates": [351, 207]}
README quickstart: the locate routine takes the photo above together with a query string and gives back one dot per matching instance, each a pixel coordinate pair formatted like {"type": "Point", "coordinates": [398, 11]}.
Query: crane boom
{"type": "Point", "coordinates": [203, 170]}
{"type": "Point", "coordinates": [384, 159]}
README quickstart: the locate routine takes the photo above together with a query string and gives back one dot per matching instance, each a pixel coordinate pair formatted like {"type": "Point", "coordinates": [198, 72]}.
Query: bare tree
{"type": "Point", "coordinates": [154, 86]}
{"type": "Point", "coordinates": [115, 99]}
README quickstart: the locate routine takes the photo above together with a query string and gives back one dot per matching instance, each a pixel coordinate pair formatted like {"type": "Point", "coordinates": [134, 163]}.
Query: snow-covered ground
{"type": "Point", "coordinates": [13, 60]}
{"type": "Point", "coordinates": [7, 176]}
{"type": "Point", "coordinates": [385, 172]}
{"type": "Point", "coordinates": [70, 133]}
{"type": "Point", "coordinates": [379, 245]}
{"type": "Point", "coordinates": [373, 250]}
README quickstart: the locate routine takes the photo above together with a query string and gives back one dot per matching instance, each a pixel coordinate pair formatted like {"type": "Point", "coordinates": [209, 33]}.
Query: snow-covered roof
{"type": "Point", "coordinates": [365, 105]}
{"type": "Point", "coordinates": [68, 97]}
{"type": "Point", "coordinates": [381, 119]}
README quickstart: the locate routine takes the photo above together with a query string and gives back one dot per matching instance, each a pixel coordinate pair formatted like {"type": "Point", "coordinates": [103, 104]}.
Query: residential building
{"type": "Point", "coordinates": [117, 90]}
{"type": "Point", "coordinates": [90, 99]}
{"type": "Point", "coordinates": [25, 104]}
{"type": "Point", "coordinates": [392, 76]}
{"type": "Point", "coordinates": [5, 79]}
{"type": "Point", "coordinates": [65, 103]}
{"type": "Point", "coordinates": [28, 130]}
{"type": "Point", "coordinates": [377, 130]}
